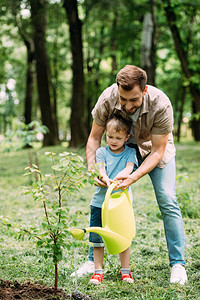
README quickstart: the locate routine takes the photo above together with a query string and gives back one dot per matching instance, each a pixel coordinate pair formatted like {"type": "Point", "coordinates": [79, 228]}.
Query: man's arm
{"type": "Point", "coordinates": [159, 143]}
{"type": "Point", "coordinates": [93, 143]}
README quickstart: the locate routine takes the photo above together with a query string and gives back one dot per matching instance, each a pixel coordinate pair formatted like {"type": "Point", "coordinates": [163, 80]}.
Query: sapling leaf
{"type": "Point", "coordinates": [39, 243]}
{"type": "Point", "coordinates": [64, 154]}
{"type": "Point", "coordinates": [35, 166]}
{"type": "Point", "coordinates": [25, 174]}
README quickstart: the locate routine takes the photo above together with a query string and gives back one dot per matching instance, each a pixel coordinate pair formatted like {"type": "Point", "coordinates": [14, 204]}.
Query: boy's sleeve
{"type": "Point", "coordinates": [100, 156]}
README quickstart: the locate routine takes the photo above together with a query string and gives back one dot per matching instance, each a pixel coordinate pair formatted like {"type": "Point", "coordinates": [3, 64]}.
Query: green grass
{"type": "Point", "coordinates": [21, 261]}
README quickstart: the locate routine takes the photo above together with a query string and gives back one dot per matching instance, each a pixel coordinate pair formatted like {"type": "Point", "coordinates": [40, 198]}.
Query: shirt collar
{"type": "Point", "coordinates": [145, 105]}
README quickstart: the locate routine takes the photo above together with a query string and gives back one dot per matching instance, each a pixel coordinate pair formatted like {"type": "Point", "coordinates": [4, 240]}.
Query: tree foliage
{"type": "Point", "coordinates": [111, 34]}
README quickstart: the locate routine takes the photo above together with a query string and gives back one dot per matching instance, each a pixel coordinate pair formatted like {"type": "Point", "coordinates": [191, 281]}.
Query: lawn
{"type": "Point", "coordinates": [21, 261]}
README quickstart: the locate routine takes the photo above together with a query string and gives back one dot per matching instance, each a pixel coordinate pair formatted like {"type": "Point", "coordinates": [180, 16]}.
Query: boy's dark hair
{"type": "Point", "coordinates": [121, 124]}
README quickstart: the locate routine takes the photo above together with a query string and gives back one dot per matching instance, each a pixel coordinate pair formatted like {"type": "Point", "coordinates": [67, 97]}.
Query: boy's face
{"type": "Point", "coordinates": [116, 140]}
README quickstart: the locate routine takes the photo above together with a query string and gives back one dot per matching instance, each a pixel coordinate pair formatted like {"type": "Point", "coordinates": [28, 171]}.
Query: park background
{"type": "Point", "coordinates": [56, 58]}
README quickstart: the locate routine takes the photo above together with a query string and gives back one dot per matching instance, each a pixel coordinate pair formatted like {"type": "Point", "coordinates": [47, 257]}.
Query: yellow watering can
{"type": "Point", "coordinates": [118, 222]}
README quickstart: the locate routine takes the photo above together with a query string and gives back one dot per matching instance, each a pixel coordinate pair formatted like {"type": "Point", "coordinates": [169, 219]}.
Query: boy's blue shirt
{"type": "Point", "coordinates": [114, 163]}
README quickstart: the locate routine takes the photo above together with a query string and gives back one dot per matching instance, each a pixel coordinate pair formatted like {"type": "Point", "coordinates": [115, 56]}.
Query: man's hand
{"type": "Point", "coordinates": [123, 182]}
{"type": "Point", "coordinates": [124, 175]}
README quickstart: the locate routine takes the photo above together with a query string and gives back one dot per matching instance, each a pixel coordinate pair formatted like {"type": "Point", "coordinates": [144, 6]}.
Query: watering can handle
{"type": "Point", "coordinates": [107, 197]}
{"type": "Point", "coordinates": [127, 196]}
{"type": "Point", "coordinates": [106, 201]}
{"type": "Point", "coordinates": [109, 191]}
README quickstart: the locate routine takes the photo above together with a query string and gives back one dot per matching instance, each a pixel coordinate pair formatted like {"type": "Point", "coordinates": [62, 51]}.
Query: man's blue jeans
{"type": "Point", "coordinates": [163, 181]}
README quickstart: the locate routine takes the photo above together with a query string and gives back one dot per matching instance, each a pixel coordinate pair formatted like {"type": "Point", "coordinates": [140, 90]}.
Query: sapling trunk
{"type": "Point", "coordinates": [56, 278]}
{"type": "Point", "coordinates": [30, 154]}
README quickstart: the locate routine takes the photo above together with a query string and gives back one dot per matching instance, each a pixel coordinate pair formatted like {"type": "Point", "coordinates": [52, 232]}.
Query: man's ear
{"type": "Point", "coordinates": [128, 136]}
{"type": "Point", "coordinates": [145, 90]}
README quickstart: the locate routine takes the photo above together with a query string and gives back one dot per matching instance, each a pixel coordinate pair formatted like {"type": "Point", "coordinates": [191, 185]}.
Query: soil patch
{"type": "Point", "coordinates": [10, 290]}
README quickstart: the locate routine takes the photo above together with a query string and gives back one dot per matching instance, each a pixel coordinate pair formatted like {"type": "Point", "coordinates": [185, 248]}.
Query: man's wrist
{"type": "Point", "coordinates": [133, 177]}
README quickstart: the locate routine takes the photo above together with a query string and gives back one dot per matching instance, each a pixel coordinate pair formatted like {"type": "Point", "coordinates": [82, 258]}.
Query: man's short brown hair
{"type": "Point", "coordinates": [130, 76]}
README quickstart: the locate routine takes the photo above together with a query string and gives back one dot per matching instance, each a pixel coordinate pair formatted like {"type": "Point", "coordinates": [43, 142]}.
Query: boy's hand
{"type": "Point", "coordinates": [118, 182]}
{"type": "Point", "coordinates": [106, 180]}
{"type": "Point", "coordinates": [102, 182]}
{"type": "Point", "coordinates": [99, 182]}
{"type": "Point", "coordinates": [97, 179]}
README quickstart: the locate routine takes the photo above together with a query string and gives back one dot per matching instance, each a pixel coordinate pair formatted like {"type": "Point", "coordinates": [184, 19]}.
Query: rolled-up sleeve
{"type": "Point", "coordinates": [100, 112]}
{"type": "Point", "coordinates": [105, 105]}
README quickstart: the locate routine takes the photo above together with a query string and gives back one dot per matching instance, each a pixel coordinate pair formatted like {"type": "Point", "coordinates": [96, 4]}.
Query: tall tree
{"type": "Point", "coordinates": [190, 73]}
{"type": "Point", "coordinates": [110, 42]}
{"type": "Point", "coordinates": [77, 119]}
{"type": "Point", "coordinates": [38, 16]}
{"type": "Point", "coordinates": [28, 41]}
{"type": "Point", "coordinates": [113, 44]}
{"type": "Point", "coordinates": [148, 44]}
{"type": "Point", "coordinates": [29, 81]}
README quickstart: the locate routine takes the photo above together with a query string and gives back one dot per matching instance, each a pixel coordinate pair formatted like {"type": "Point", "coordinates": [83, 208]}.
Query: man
{"type": "Point", "coordinates": [152, 123]}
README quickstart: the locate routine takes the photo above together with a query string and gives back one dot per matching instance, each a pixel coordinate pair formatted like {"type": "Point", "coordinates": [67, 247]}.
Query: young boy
{"type": "Point", "coordinates": [114, 159]}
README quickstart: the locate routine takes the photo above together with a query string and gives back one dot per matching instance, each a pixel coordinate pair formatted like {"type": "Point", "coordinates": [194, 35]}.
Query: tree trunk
{"type": "Point", "coordinates": [54, 81]}
{"type": "Point", "coordinates": [89, 92]}
{"type": "Point", "coordinates": [15, 8]}
{"type": "Point", "coordinates": [39, 25]}
{"type": "Point", "coordinates": [93, 84]}
{"type": "Point", "coordinates": [183, 57]}
{"type": "Point", "coordinates": [29, 82]}
{"type": "Point", "coordinates": [180, 118]}
{"type": "Point", "coordinates": [56, 278]}
{"type": "Point", "coordinates": [77, 120]}
{"type": "Point", "coordinates": [148, 47]}
{"type": "Point", "coordinates": [113, 46]}
{"type": "Point", "coordinates": [195, 123]}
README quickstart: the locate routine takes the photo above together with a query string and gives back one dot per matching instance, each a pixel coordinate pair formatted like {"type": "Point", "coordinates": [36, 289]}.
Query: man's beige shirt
{"type": "Point", "coordinates": [155, 117]}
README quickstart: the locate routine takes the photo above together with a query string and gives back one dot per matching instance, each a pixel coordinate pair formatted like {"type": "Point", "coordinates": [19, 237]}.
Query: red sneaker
{"type": "Point", "coordinates": [96, 278]}
{"type": "Point", "coordinates": [127, 277]}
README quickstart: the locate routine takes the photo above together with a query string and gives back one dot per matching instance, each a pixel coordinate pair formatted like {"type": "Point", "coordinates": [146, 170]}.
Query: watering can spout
{"type": "Point", "coordinates": [115, 243]}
